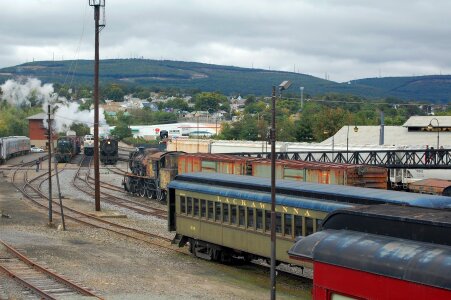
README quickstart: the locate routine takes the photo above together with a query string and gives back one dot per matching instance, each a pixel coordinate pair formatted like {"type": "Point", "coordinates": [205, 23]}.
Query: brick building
{"type": "Point", "coordinates": [37, 131]}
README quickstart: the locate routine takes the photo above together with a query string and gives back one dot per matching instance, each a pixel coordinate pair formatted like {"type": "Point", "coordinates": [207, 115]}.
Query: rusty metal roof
{"type": "Point", "coordinates": [432, 182]}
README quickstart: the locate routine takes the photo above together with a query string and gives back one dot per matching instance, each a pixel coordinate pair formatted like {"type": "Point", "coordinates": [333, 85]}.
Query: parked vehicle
{"type": "Point", "coordinates": [36, 149]}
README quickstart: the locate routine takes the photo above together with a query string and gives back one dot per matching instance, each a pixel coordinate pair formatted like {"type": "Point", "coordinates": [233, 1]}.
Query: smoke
{"type": "Point", "coordinates": [28, 93]}
{"type": "Point", "coordinates": [31, 93]}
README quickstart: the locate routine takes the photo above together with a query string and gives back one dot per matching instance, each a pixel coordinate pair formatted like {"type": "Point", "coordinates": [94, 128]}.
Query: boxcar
{"type": "Point", "coordinates": [317, 172]}
{"type": "Point", "coordinates": [403, 253]}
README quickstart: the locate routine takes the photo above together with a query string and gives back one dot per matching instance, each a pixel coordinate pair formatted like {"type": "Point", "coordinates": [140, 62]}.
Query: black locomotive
{"type": "Point", "coordinates": [151, 172]}
{"type": "Point", "coordinates": [109, 151]}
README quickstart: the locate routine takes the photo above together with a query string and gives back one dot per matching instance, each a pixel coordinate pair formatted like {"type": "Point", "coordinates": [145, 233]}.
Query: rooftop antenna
{"type": "Point", "coordinates": [98, 27]}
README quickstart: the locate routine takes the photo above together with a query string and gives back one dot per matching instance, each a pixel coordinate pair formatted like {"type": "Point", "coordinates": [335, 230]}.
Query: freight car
{"type": "Point", "coordinates": [431, 186]}
{"type": "Point", "coordinates": [88, 145]}
{"type": "Point", "coordinates": [404, 253]}
{"type": "Point", "coordinates": [67, 147]}
{"type": "Point", "coordinates": [223, 216]}
{"type": "Point", "coordinates": [11, 146]}
{"type": "Point", "coordinates": [109, 153]}
{"type": "Point", "coordinates": [141, 179]}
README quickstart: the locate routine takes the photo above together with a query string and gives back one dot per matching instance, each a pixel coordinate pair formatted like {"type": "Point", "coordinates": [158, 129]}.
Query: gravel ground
{"type": "Point", "coordinates": [119, 268]}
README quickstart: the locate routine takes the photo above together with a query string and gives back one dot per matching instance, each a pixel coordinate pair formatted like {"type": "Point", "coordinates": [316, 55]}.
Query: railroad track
{"type": "Point", "coordinates": [92, 221]}
{"type": "Point", "coordinates": [41, 281]}
{"type": "Point", "coordinates": [38, 198]}
{"type": "Point", "coordinates": [132, 205]}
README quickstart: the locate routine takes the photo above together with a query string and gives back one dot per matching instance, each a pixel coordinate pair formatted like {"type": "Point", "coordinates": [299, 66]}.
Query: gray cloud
{"type": "Point", "coordinates": [346, 39]}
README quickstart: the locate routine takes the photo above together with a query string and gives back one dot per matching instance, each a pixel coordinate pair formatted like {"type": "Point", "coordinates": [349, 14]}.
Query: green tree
{"type": "Point", "coordinates": [122, 131]}
{"type": "Point", "coordinates": [80, 128]}
{"type": "Point", "coordinates": [213, 101]}
{"type": "Point", "coordinates": [114, 92]}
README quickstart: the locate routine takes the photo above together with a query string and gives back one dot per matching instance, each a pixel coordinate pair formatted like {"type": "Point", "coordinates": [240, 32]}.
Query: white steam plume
{"type": "Point", "coordinates": [32, 92]}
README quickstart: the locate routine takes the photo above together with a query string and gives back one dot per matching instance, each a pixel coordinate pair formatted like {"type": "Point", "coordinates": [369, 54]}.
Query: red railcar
{"type": "Point", "coordinates": [396, 253]}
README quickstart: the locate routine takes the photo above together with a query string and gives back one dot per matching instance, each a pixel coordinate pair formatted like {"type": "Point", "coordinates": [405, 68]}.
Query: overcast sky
{"type": "Point", "coordinates": [346, 39]}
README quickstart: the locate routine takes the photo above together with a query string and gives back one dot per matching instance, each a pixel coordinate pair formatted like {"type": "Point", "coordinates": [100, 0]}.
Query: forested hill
{"type": "Point", "coordinates": [226, 79]}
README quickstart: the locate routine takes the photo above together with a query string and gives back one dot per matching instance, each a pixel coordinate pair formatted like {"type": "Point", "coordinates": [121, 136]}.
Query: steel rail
{"type": "Point", "coordinates": [47, 272]}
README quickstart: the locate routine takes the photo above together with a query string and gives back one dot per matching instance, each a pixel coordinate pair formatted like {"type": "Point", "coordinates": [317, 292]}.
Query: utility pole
{"type": "Point", "coordinates": [49, 132]}
{"type": "Point", "coordinates": [283, 86]}
{"type": "Point", "coordinates": [272, 138]}
{"type": "Point", "coordinates": [97, 4]}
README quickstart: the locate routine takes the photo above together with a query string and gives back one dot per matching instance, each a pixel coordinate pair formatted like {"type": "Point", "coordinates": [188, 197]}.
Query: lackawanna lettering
{"type": "Point", "coordinates": [286, 209]}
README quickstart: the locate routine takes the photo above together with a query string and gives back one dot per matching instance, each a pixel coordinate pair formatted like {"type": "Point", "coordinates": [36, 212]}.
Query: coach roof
{"type": "Point", "coordinates": [332, 192]}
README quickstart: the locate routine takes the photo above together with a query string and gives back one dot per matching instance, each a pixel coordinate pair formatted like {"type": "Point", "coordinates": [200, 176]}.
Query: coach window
{"type": "Point", "coordinates": [233, 212]}
{"type": "Point", "coordinates": [308, 226]}
{"type": "Point", "coordinates": [182, 204]}
{"type": "Point", "coordinates": [297, 226]}
{"type": "Point", "coordinates": [210, 210]}
{"type": "Point", "coordinates": [217, 212]}
{"type": "Point", "coordinates": [287, 223]}
{"type": "Point", "coordinates": [318, 223]}
{"type": "Point", "coordinates": [203, 208]}
{"type": "Point", "coordinates": [267, 220]}
{"type": "Point", "coordinates": [225, 213]}
{"type": "Point", "coordinates": [259, 219]}
{"type": "Point", "coordinates": [189, 205]}
{"type": "Point", "coordinates": [250, 217]}
{"type": "Point", "coordinates": [278, 222]}
{"type": "Point", "coordinates": [242, 215]}
{"type": "Point", "coordinates": [196, 207]}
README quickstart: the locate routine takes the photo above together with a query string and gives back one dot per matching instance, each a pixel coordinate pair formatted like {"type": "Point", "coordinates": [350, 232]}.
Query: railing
{"type": "Point", "coordinates": [395, 159]}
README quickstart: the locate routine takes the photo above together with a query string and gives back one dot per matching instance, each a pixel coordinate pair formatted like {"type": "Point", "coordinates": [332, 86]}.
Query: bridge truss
{"type": "Point", "coordinates": [393, 159]}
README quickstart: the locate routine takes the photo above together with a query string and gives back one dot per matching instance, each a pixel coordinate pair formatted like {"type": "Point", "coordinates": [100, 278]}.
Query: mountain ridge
{"type": "Point", "coordinates": [227, 79]}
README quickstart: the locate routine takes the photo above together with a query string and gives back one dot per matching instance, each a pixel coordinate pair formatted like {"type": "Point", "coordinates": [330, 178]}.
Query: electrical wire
{"type": "Point", "coordinates": [77, 51]}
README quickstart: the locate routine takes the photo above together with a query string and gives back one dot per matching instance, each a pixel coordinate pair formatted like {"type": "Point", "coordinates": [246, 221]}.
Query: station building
{"type": "Point", "coordinates": [37, 130]}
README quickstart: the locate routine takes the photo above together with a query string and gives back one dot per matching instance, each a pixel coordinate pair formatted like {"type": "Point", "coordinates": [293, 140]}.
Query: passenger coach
{"type": "Point", "coordinates": [228, 216]}
{"type": "Point", "coordinates": [403, 253]}
{"type": "Point", "coordinates": [223, 216]}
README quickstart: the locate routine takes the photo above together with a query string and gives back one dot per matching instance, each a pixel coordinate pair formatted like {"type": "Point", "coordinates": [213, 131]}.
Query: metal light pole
{"type": "Point", "coordinates": [97, 4]}
{"type": "Point", "coordinates": [198, 133]}
{"type": "Point", "coordinates": [430, 127]}
{"type": "Point", "coordinates": [302, 97]}
{"type": "Point", "coordinates": [283, 86]}
{"type": "Point", "coordinates": [347, 142]}
{"type": "Point", "coordinates": [50, 141]}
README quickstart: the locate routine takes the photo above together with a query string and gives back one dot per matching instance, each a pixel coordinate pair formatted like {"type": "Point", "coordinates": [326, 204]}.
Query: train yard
{"type": "Point", "coordinates": [123, 251]}
{"type": "Point", "coordinates": [200, 220]}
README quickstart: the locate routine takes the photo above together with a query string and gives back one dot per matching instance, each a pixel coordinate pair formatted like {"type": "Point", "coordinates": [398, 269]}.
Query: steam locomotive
{"type": "Point", "coordinates": [109, 151]}
{"type": "Point", "coordinates": [151, 172]}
